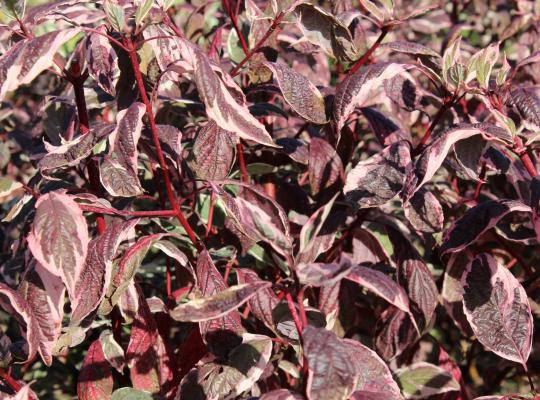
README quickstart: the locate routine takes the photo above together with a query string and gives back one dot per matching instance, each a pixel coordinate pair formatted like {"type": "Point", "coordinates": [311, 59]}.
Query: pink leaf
{"type": "Point", "coordinates": [95, 379]}
{"type": "Point", "coordinates": [59, 238]}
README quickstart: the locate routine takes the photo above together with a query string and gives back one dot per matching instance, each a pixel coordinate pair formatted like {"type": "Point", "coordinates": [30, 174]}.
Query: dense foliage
{"type": "Point", "coordinates": [273, 199]}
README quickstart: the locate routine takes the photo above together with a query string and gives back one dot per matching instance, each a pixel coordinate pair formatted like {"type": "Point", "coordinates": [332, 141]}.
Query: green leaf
{"type": "Point", "coordinates": [421, 380]}
{"type": "Point", "coordinates": [127, 393]}
{"type": "Point", "coordinates": [13, 9]}
{"type": "Point", "coordinates": [451, 57]}
{"type": "Point", "coordinates": [142, 11]}
{"type": "Point", "coordinates": [115, 15]}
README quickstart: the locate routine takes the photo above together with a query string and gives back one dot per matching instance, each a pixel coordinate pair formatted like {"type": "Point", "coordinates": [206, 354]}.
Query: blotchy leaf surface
{"type": "Point", "coordinates": [264, 301]}
{"type": "Point", "coordinates": [424, 212]}
{"type": "Point", "coordinates": [95, 379]}
{"type": "Point", "coordinates": [221, 106]}
{"type": "Point", "coordinates": [219, 304]}
{"type": "Point", "coordinates": [102, 60]}
{"type": "Point", "coordinates": [96, 275]}
{"type": "Point", "coordinates": [337, 367]}
{"type": "Point", "coordinates": [323, 29]}
{"type": "Point", "coordinates": [26, 60]}
{"type": "Point", "coordinates": [355, 90]}
{"type": "Point", "coordinates": [378, 179]}
{"type": "Point", "coordinates": [213, 152]}
{"type": "Point", "coordinates": [59, 238]}
{"type": "Point", "coordinates": [433, 156]}
{"type": "Point", "coordinates": [44, 294]}
{"type": "Point", "coordinates": [299, 92]}
{"type": "Point", "coordinates": [497, 308]}
{"type": "Point", "coordinates": [15, 304]}
{"type": "Point", "coordinates": [477, 220]}
{"type": "Point", "coordinates": [325, 167]}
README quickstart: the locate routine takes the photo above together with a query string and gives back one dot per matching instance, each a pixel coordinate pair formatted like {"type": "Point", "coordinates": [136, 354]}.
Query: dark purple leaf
{"type": "Point", "coordinates": [213, 152]}
{"type": "Point", "coordinates": [264, 301]}
{"type": "Point", "coordinates": [424, 212]}
{"type": "Point", "coordinates": [497, 308]}
{"type": "Point", "coordinates": [355, 90]}
{"type": "Point", "coordinates": [476, 221]}
{"type": "Point", "coordinates": [96, 274]}
{"type": "Point", "coordinates": [338, 367]}
{"type": "Point", "coordinates": [379, 179]}
{"type": "Point", "coordinates": [325, 167]}
{"type": "Point", "coordinates": [299, 92]}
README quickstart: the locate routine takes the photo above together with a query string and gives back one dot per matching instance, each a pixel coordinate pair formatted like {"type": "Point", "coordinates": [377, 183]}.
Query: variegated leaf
{"type": "Point", "coordinates": [26, 60]}
{"type": "Point", "coordinates": [324, 30]}
{"type": "Point", "coordinates": [337, 367]}
{"type": "Point", "coordinates": [497, 308]}
{"type": "Point", "coordinates": [221, 333]}
{"type": "Point", "coordinates": [72, 152]}
{"type": "Point", "coordinates": [356, 89]}
{"type": "Point", "coordinates": [263, 302]}
{"type": "Point", "coordinates": [96, 274]}
{"type": "Point", "coordinates": [238, 373]}
{"type": "Point", "coordinates": [325, 167]}
{"type": "Point", "coordinates": [44, 294]}
{"type": "Point", "coordinates": [299, 92]}
{"type": "Point", "coordinates": [102, 60]}
{"type": "Point", "coordinates": [377, 180]}
{"type": "Point", "coordinates": [422, 380]}
{"type": "Point", "coordinates": [478, 220]}
{"type": "Point", "coordinates": [15, 304]}
{"type": "Point", "coordinates": [118, 180]}
{"type": "Point", "coordinates": [219, 304]}
{"type": "Point", "coordinates": [213, 152]}
{"type": "Point", "coordinates": [230, 114]}
{"type": "Point", "coordinates": [434, 155]}
{"type": "Point", "coordinates": [59, 238]}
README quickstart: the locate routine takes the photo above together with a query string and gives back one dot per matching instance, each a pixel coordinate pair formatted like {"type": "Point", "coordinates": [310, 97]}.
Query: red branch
{"type": "Point", "coordinates": [234, 20]}
{"type": "Point", "coordinates": [362, 60]}
{"type": "Point", "coordinates": [259, 44]}
{"type": "Point", "coordinates": [242, 162]}
{"type": "Point", "coordinates": [447, 104]}
{"type": "Point", "coordinates": [521, 152]}
{"type": "Point", "coordinates": [159, 153]}
{"type": "Point", "coordinates": [126, 213]}
{"type": "Point", "coordinates": [16, 386]}
{"type": "Point", "coordinates": [77, 79]}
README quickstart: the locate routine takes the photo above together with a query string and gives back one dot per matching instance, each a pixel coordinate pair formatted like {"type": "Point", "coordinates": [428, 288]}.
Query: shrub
{"type": "Point", "coordinates": [269, 199]}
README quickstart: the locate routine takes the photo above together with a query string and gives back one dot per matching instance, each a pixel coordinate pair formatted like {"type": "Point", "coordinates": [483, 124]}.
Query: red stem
{"type": "Point", "coordinates": [126, 213]}
{"type": "Point", "coordinates": [166, 176]}
{"type": "Point", "coordinates": [362, 60]}
{"type": "Point", "coordinates": [480, 181]}
{"type": "Point", "coordinates": [447, 104]}
{"type": "Point", "coordinates": [303, 316]}
{"type": "Point", "coordinates": [77, 79]}
{"type": "Point", "coordinates": [294, 313]}
{"type": "Point", "coordinates": [16, 386]}
{"type": "Point", "coordinates": [259, 44]}
{"type": "Point", "coordinates": [234, 20]}
{"type": "Point", "coordinates": [521, 151]}
{"type": "Point", "coordinates": [242, 162]}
